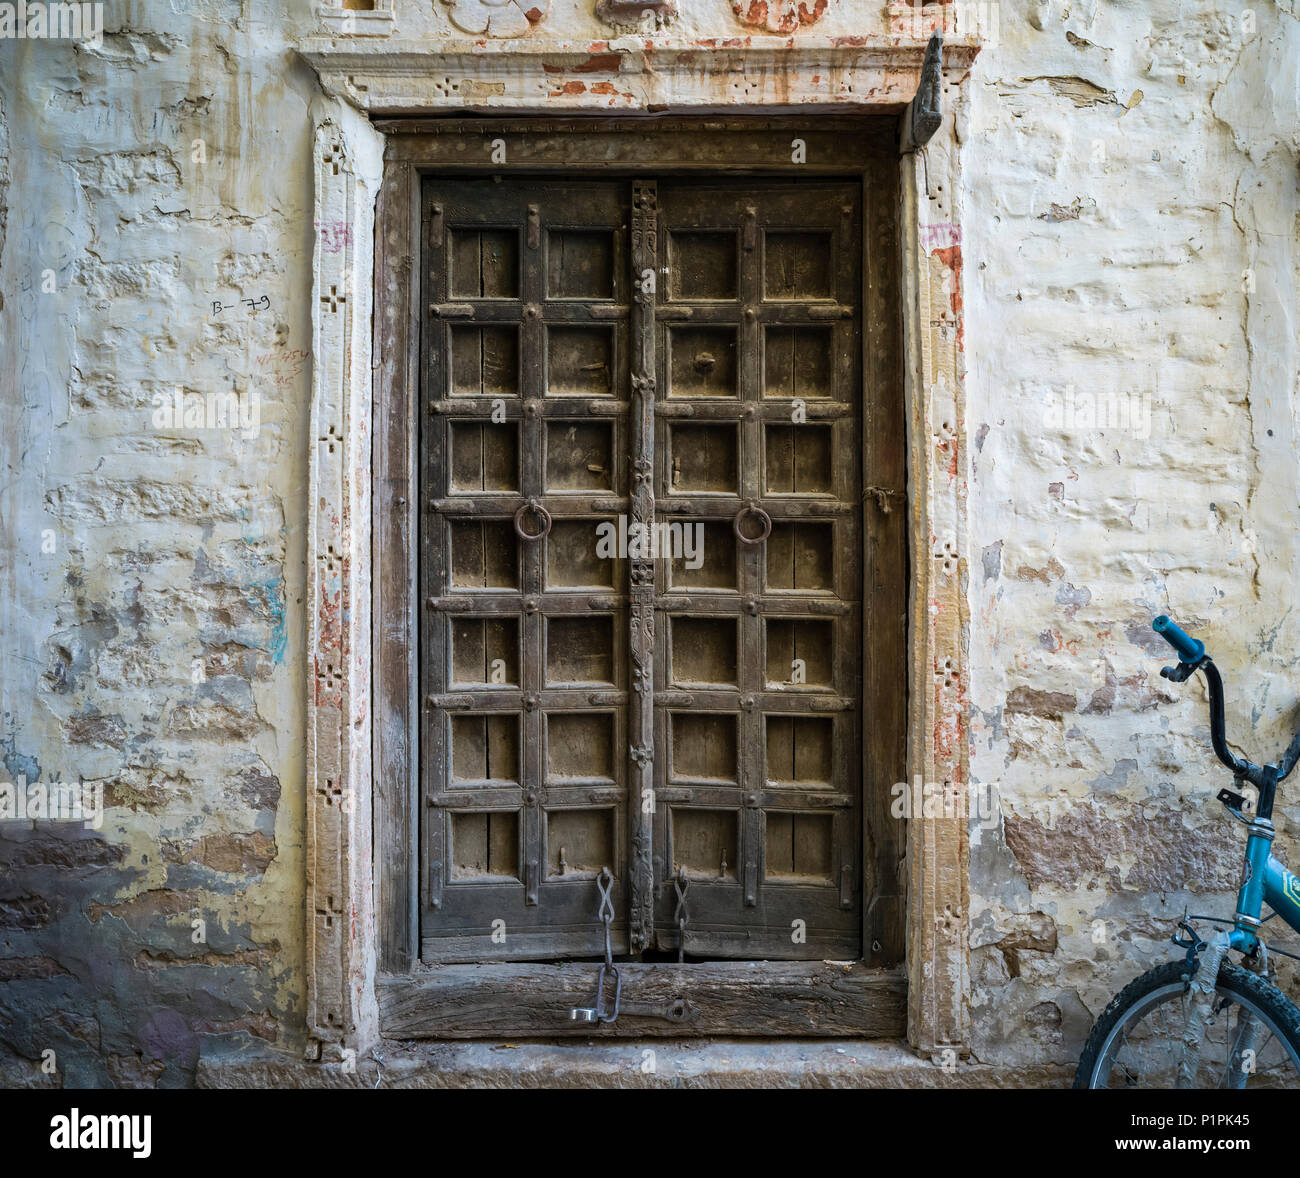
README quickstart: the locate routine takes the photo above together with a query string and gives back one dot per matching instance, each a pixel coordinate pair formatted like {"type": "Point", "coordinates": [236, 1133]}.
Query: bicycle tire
{"type": "Point", "coordinates": [1266, 998]}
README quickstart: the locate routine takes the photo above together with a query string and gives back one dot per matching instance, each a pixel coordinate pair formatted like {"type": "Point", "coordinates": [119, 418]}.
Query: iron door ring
{"type": "Point", "coordinates": [764, 519]}
{"type": "Point", "coordinates": [538, 510]}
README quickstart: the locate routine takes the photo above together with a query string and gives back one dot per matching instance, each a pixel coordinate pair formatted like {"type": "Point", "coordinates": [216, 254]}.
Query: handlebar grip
{"type": "Point", "coordinates": [1189, 649]}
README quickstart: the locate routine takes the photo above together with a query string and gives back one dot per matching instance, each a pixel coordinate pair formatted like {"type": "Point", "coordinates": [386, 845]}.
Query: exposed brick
{"type": "Point", "coordinates": [1053, 570]}
{"type": "Point", "coordinates": [262, 1026]}
{"type": "Point", "coordinates": [17, 969]}
{"type": "Point", "coordinates": [134, 1071]}
{"type": "Point", "coordinates": [248, 853]}
{"type": "Point", "coordinates": [241, 958]}
{"type": "Point", "coordinates": [1034, 932]}
{"type": "Point", "coordinates": [52, 850]}
{"type": "Point", "coordinates": [1030, 701]}
{"type": "Point", "coordinates": [148, 908]}
{"type": "Point", "coordinates": [259, 790]}
{"type": "Point", "coordinates": [94, 729]}
{"type": "Point", "coordinates": [1135, 850]}
{"type": "Point", "coordinates": [25, 912]}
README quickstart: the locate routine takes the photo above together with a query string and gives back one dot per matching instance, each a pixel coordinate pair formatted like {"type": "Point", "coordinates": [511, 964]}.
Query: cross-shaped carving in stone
{"type": "Point", "coordinates": [331, 558]}
{"type": "Point", "coordinates": [328, 913]}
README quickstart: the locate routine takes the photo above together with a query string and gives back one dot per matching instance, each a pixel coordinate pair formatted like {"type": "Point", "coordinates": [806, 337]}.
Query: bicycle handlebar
{"type": "Point", "coordinates": [1194, 657]}
{"type": "Point", "coordinates": [1289, 758]}
{"type": "Point", "coordinates": [1247, 770]}
{"type": "Point", "coordinates": [1190, 650]}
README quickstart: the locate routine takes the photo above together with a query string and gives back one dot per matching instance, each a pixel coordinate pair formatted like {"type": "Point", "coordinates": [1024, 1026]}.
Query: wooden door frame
{"type": "Point", "coordinates": [868, 998]}
{"type": "Point", "coordinates": [363, 980]}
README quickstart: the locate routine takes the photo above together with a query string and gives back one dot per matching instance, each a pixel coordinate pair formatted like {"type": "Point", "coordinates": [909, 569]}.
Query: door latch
{"type": "Point", "coordinates": [608, 981]}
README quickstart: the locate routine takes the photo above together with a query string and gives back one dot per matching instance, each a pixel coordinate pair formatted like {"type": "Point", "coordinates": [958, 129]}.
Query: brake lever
{"type": "Point", "coordinates": [1179, 673]}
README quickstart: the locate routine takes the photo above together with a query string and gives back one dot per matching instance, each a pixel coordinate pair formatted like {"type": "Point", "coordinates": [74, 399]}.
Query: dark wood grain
{"type": "Point", "coordinates": [661, 1000]}
{"type": "Point", "coordinates": [716, 146]}
{"type": "Point", "coordinates": [885, 567]}
{"type": "Point", "coordinates": [393, 621]}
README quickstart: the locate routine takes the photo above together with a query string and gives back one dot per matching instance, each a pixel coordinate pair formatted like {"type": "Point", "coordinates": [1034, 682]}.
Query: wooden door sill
{"type": "Point", "coordinates": [734, 998]}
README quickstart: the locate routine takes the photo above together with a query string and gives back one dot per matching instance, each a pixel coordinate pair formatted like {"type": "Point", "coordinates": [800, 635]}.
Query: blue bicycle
{"type": "Point", "coordinates": [1205, 1021]}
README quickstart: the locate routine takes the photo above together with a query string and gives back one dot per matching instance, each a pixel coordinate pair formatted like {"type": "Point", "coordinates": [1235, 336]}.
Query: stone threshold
{"type": "Point", "coordinates": [659, 1063]}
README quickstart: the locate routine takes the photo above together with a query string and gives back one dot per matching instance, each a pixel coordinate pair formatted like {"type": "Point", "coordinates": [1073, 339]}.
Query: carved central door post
{"type": "Point", "coordinates": [641, 573]}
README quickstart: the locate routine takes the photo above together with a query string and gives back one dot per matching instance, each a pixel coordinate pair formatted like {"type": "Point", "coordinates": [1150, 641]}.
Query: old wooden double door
{"type": "Point", "coordinates": [641, 568]}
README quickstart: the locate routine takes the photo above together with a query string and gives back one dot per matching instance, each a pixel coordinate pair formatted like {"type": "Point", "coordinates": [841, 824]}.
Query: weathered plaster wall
{"type": "Point", "coordinates": [1131, 284]}
{"type": "Point", "coordinates": [152, 574]}
{"type": "Point", "coordinates": [151, 607]}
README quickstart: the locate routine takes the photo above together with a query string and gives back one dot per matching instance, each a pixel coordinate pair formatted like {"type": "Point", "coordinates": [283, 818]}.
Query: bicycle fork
{"type": "Point", "coordinates": [1264, 879]}
{"type": "Point", "coordinates": [1242, 1061]}
{"type": "Point", "coordinates": [1200, 1000]}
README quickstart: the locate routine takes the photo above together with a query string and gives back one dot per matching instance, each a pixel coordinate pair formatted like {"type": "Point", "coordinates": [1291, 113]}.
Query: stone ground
{"type": "Point", "coordinates": [708, 1063]}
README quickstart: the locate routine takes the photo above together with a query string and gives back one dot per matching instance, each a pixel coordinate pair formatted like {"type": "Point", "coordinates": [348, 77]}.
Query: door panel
{"type": "Point", "coordinates": [524, 660]}
{"type": "Point", "coordinates": [760, 782]}
{"type": "Point", "coordinates": [629, 353]}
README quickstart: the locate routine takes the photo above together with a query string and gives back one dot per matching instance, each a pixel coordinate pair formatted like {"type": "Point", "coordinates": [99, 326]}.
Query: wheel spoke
{"type": "Point", "coordinates": [1144, 1047]}
{"type": "Point", "coordinates": [1128, 1071]}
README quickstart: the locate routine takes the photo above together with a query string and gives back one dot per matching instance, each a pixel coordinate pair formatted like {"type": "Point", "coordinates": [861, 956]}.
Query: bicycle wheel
{"type": "Point", "coordinates": [1137, 1041]}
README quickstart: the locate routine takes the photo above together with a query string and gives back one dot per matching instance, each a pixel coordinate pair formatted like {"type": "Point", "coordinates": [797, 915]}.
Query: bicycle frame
{"type": "Point", "coordinates": [1266, 881]}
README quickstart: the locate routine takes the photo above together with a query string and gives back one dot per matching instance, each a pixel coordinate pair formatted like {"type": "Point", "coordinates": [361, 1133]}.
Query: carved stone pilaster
{"type": "Point", "coordinates": [938, 854]}
{"type": "Point", "coordinates": [340, 918]}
